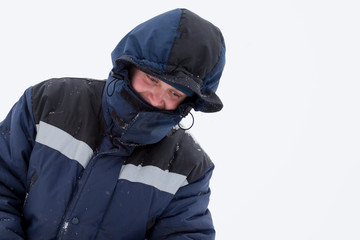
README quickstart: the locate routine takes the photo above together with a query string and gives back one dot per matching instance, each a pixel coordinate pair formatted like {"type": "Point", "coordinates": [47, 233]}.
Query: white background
{"type": "Point", "coordinates": [286, 145]}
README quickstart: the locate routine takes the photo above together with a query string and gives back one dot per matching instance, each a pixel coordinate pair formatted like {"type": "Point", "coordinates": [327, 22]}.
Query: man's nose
{"type": "Point", "coordinates": [157, 98]}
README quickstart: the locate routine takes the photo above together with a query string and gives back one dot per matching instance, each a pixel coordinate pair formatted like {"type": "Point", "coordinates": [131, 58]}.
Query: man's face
{"type": "Point", "coordinates": [156, 92]}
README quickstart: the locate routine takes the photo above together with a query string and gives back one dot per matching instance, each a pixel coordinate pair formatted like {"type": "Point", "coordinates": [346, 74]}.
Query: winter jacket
{"type": "Point", "coordinates": [89, 159]}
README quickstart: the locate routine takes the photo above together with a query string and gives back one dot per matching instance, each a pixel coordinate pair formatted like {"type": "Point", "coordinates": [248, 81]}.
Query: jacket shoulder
{"type": "Point", "coordinates": [178, 153]}
{"type": "Point", "coordinates": [70, 104]}
{"type": "Point", "coordinates": [190, 157]}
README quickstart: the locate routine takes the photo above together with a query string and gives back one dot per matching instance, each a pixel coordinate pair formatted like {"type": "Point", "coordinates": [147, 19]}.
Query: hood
{"type": "Point", "coordinates": [180, 48]}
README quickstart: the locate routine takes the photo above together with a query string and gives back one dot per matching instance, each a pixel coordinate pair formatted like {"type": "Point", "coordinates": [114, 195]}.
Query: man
{"type": "Point", "coordinates": [88, 159]}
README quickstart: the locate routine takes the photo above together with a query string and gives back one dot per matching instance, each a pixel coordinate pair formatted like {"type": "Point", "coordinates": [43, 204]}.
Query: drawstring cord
{"type": "Point", "coordinates": [116, 79]}
{"type": "Point", "coordinates": [192, 123]}
{"type": "Point", "coordinates": [113, 90]}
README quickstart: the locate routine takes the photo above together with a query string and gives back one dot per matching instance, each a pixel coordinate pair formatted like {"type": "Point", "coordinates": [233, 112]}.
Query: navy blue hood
{"type": "Point", "coordinates": [177, 47]}
{"type": "Point", "coordinates": [180, 48]}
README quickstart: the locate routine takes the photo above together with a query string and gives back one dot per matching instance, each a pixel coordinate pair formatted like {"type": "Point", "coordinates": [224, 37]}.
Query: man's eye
{"type": "Point", "coordinates": [153, 79]}
{"type": "Point", "coordinates": [175, 94]}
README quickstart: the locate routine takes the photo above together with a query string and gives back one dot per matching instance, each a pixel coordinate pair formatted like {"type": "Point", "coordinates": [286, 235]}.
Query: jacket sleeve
{"type": "Point", "coordinates": [187, 216]}
{"type": "Point", "coordinates": [17, 137]}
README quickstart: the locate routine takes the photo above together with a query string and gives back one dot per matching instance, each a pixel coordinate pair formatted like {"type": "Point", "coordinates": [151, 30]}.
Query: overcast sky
{"type": "Point", "coordinates": [286, 145]}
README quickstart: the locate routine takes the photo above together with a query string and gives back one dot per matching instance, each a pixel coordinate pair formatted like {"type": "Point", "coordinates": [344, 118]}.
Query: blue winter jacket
{"type": "Point", "coordinates": [89, 159]}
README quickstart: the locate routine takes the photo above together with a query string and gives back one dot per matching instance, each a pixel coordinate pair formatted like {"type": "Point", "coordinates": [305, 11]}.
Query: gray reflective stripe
{"type": "Point", "coordinates": [63, 142]}
{"type": "Point", "coordinates": [150, 175]}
